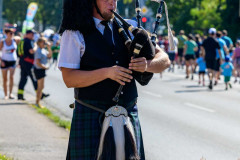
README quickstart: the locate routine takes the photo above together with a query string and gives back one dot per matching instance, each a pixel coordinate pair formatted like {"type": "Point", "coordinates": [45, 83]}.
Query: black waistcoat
{"type": "Point", "coordinates": [98, 54]}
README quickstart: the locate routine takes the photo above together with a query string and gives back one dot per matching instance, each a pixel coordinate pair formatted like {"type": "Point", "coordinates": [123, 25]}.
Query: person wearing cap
{"type": "Point", "coordinates": [93, 60]}
{"type": "Point", "coordinates": [227, 68]}
{"type": "Point", "coordinates": [8, 62]}
{"type": "Point", "coordinates": [26, 63]}
{"type": "Point", "coordinates": [209, 47]}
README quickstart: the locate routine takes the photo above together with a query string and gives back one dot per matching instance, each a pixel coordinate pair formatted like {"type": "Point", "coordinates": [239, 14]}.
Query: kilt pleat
{"type": "Point", "coordinates": [86, 130]}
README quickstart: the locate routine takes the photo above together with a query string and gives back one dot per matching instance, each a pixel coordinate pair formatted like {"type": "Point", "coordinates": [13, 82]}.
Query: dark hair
{"type": "Point", "coordinates": [190, 36]}
{"type": "Point", "coordinates": [219, 34]}
{"type": "Point", "coordinates": [198, 38]}
{"type": "Point", "coordinates": [77, 16]}
{"type": "Point", "coordinates": [238, 42]}
{"type": "Point", "coordinates": [224, 32]}
{"type": "Point", "coordinates": [8, 30]}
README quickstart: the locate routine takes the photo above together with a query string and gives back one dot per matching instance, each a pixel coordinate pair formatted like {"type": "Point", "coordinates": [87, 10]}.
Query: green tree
{"type": "Point", "coordinates": [231, 19]}
{"type": "Point", "coordinates": [48, 14]}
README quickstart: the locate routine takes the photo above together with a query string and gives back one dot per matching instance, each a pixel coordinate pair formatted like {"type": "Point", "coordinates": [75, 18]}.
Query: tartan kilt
{"type": "Point", "coordinates": [86, 130]}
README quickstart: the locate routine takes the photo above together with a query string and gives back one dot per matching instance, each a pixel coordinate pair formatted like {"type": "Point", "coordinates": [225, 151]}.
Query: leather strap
{"type": "Point", "coordinates": [90, 106]}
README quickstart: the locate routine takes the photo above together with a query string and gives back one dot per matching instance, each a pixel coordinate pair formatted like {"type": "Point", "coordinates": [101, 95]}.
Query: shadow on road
{"type": "Point", "coordinates": [199, 90]}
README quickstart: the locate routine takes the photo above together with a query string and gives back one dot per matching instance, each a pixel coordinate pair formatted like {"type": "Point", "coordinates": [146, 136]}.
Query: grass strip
{"type": "Point", "coordinates": [56, 119]}
{"type": "Point", "coordinates": [4, 157]}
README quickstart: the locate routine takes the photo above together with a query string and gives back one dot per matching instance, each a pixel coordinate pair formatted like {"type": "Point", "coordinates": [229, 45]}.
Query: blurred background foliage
{"type": "Point", "coordinates": [194, 16]}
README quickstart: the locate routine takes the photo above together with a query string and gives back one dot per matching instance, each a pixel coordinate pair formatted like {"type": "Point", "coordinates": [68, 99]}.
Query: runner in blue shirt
{"type": "Point", "coordinates": [227, 68]}
{"type": "Point", "coordinates": [223, 48]}
{"type": "Point", "coordinates": [227, 39]}
{"type": "Point", "coordinates": [202, 68]}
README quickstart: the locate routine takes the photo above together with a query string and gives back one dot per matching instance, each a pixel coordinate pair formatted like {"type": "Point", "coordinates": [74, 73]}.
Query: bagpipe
{"type": "Point", "coordinates": [118, 140]}
{"type": "Point", "coordinates": [142, 45]}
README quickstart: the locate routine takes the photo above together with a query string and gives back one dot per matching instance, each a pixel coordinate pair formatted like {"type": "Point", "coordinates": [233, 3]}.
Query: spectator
{"type": "Point", "coordinates": [55, 50]}
{"type": "Point", "coordinates": [40, 66]}
{"type": "Point", "coordinates": [8, 62]}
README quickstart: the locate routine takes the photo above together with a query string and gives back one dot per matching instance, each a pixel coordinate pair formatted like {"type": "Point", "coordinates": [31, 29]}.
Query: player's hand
{"type": "Point", "coordinates": [138, 64]}
{"type": "Point", "coordinates": [119, 74]}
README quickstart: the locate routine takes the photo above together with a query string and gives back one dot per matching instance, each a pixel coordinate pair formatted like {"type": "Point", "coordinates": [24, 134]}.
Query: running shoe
{"type": "Point", "coordinates": [210, 85]}
{"type": "Point", "coordinates": [20, 97]}
{"type": "Point", "coordinates": [230, 85]}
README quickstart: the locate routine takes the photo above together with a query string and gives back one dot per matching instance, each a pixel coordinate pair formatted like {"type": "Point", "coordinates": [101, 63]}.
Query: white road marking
{"type": "Point", "coordinates": [152, 94]}
{"type": "Point", "coordinates": [199, 107]}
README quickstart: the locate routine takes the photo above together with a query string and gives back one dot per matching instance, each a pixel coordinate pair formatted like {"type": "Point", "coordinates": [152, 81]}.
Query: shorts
{"type": "Point", "coordinates": [217, 65]}
{"type": "Point", "coordinates": [171, 56]}
{"type": "Point", "coordinates": [197, 54]}
{"type": "Point", "coordinates": [8, 64]}
{"type": "Point", "coordinates": [201, 72]}
{"type": "Point", "coordinates": [180, 52]}
{"type": "Point", "coordinates": [189, 57]}
{"type": "Point", "coordinates": [237, 63]}
{"type": "Point", "coordinates": [39, 73]}
{"type": "Point", "coordinates": [211, 63]}
{"type": "Point", "coordinates": [227, 78]}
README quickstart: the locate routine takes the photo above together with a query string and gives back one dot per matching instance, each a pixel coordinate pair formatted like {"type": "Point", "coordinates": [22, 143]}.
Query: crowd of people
{"type": "Point", "coordinates": [32, 53]}
{"type": "Point", "coordinates": [214, 54]}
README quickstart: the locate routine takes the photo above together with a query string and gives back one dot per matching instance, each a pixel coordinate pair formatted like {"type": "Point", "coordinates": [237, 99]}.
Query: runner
{"type": "Point", "coordinates": [236, 61]}
{"type": "Point", "coordinates": [8, 62]}
{"type": "Point", "coordinates": [190, 46]}
{"type": "Point", "coordinates": [181, 40]}
{"type": "Point", "coordinates": [172, 54]}
{"type": "Point", "coordinates": [202, 69]}
{"type": "Point", "coordinates": [219, 61]}
{"type": "Point", "coordinates": [208, 49]}
{"type": "Point", "coordinates": [227, 39]}
{"type": "Point", "coordinates": [227, 68]}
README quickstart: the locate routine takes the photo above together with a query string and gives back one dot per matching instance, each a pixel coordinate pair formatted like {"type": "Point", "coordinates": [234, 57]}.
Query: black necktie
{"type": "Point", "coordinates": [107, 34]}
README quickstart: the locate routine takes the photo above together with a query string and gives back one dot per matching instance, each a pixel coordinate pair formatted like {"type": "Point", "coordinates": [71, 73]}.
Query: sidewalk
{"type": "Point", "coordinates": [27, 135]}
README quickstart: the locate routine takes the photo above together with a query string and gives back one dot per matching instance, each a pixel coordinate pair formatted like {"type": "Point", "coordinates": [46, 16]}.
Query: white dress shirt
{"type": "Point", "coordinates": [72, 45]}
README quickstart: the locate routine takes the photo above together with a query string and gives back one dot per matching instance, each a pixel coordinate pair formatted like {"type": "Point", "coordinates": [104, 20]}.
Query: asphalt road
{"type": "Point", "coordinates": [180, 119]}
